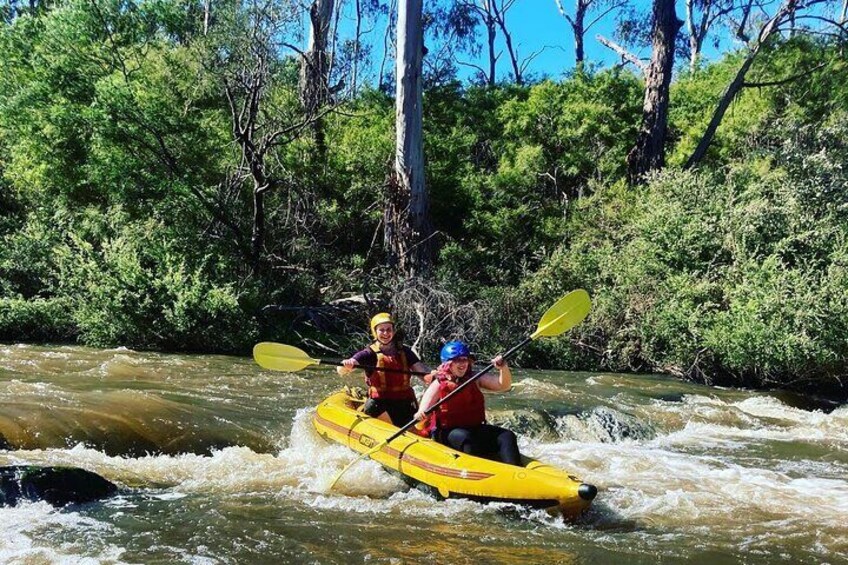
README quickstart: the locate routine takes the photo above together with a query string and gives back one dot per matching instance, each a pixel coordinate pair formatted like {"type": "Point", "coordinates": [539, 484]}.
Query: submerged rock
{"type": "Point", "coordinates": [603, 424]}
{"type": "Point", "coordinates": [524, 422]}
{"type": "Point", "coordinates": [806, 402]}
{"type": "Point", "coordinates": [670, 397]}
{"type": "Point", "coordinates": [56, 485]}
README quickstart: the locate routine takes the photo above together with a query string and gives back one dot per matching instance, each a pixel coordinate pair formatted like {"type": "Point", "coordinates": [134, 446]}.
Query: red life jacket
{"type": "Point", "coordinates": [465, 409]}
{"type": "Point", "coordinates": [389, 385]}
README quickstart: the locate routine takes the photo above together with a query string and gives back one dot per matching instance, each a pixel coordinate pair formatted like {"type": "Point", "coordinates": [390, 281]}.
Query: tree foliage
{"type": "Point", "coordinates": [127, 200]}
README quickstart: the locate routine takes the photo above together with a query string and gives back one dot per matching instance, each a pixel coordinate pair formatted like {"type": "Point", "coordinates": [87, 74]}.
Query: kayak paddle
{"type": "Point", "coordinates": [281, 357]}
{"type": "Point", "coordinates": [566, 313]}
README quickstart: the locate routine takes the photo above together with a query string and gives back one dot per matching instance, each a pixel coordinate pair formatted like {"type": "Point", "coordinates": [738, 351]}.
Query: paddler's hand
{"type": "Point", "coordinates": [420, 415]}
{"type": "Point", "coordinates": [347, 366]}
{"type": "Point", "coordinates": [499, 362]}
{"type": "Point", "coordinates": [430, 377]}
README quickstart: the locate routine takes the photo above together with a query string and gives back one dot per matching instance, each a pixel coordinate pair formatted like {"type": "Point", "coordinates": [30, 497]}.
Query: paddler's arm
{"type": "Point", "coordinates": [417, 365]}
{"type": "Point", "coordinates": [364, 357]}
{"type": "Point", "coordinates": [428, 399]}
{"type": "Point", "coordinates": [500, 383]}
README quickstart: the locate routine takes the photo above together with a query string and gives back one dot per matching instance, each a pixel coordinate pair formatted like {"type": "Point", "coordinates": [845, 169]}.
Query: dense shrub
{"type": "Point", "coordinates": [127, 216]}
{"type": "Point", "coordinates": [133, 289]}
{"type": "Point", "coordinates": [36, 320]}
{"type": "Point", "coordinates": [734, 277]}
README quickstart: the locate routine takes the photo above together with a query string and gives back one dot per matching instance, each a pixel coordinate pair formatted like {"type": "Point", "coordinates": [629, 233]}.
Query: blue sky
{"type": "Point", "coordinates": [537, 25]}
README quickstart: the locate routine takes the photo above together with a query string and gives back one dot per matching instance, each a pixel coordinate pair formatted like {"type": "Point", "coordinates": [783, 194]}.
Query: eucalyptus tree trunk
{"type": "Point", "coordinates": [357, 42]}
{"type": "Point", "coordinates": [578, 25]}
{"type": "Point", "coordinates": [407, 211]}
{"type": "Point", "coordinates": [491, 34]}
{"type": "Point", "coordinates": [315, 67]}
{"type": "Point", "coordinates": [649, 152]}
{"type": "Point", "coordinates": [696, 31]}
{"type": "Point", "coordinates": [207, 10]}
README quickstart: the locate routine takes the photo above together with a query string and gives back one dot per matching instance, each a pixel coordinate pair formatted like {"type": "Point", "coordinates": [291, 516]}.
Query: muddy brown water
{"type": "Point", "coordinates": [218, 463]}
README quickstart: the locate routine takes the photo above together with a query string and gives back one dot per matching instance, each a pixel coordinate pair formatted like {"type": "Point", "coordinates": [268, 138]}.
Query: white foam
{"type": "Point", "coordinates": [653, 484]}
{"type": "Point", "coordinates": [710, 421]}
{"type": "Point", "coordinates": [309, 463]}
{"type": "Point", "coordinates": [23, 527]}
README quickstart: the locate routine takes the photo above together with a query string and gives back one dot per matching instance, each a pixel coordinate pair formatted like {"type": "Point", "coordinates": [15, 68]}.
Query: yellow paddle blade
{"type": "Point", "coordinates": [281, 357]}
{"type": "Point", "coordinates": [566, 313]}
{"type": "Point", "coordinates": [368, 453]}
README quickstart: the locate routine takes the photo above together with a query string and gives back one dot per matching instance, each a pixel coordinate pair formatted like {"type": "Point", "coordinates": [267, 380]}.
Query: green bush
{"type": "Point", "coordinates": [36, 320]}
{"type": "Point", "coordinates": [735, 277]}
{"type": "Point", "coordinates": [135, 290]}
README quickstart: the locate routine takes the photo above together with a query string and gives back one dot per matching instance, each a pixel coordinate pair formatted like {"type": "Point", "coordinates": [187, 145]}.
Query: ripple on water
{"type": "Point", "coordinates": [710, 479]}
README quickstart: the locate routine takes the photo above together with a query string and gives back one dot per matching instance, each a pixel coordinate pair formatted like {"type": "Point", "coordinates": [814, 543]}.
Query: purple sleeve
{"type": "Point", "coordinates": [366, 357]}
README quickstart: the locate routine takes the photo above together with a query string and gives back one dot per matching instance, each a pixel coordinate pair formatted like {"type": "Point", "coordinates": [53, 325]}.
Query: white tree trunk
{"type": "Point", "coordinates": [414, 250]}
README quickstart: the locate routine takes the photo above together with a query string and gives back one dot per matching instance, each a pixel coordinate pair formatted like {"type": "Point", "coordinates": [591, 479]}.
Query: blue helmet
{"type": "Point", "coordinates": [452, 350]}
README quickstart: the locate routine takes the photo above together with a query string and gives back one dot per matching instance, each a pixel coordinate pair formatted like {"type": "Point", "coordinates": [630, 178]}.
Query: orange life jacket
{"type": "Point", "coordinates": [466, 409]}
{"type": "Point", "coordinates": [389, 385]}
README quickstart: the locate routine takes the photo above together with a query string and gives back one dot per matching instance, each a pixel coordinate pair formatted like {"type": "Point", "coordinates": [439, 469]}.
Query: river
{"type": "Point", "coordinates": [217, 462]}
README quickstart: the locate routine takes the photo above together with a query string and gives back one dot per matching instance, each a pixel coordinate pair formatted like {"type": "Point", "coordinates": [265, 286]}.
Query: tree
{"type": "Point", "coordinates": [578, 24]}
{"type": "Point", "coordinates": [407, 221]}
{"type": "Point", "coordinates": [315, 67]}
{"type": "Point", "coordinates": [492, 14]}
{"type": "Point", "coordinates": [701, 15]}
{"type": "Point", "coordinates": [249, 62]}
{"type": "Point", "coordinates": [649, 152]}
{"type": "Point", "coordinates": [787, 14]}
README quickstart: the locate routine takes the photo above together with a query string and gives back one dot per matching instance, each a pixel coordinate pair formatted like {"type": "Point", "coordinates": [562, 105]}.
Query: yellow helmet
{"type": "Point", "coordinates": [381, 318]}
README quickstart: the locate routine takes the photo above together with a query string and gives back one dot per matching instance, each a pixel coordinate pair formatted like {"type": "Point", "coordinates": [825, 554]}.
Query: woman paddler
{"type": "Point", "coordinates": [460, 422]}
{"type": "Point", "coordinates": [388, 391]}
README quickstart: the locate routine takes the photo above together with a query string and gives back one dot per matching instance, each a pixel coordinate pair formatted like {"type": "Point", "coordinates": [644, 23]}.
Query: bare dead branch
{"type": "Point", "coordinates": [623, 53]}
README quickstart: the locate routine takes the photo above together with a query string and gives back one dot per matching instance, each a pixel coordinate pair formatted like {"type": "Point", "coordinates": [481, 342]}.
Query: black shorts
{"type": "Point", "coordinates": [491, 442]}
{"type": "Point", "coordinates": [401, 412]}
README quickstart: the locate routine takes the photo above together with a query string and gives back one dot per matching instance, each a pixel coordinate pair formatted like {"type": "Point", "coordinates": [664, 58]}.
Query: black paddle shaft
{"type": "Point", "coordinates": [371, 368]}
{"type": "Point", "coordinates": [473, 378]}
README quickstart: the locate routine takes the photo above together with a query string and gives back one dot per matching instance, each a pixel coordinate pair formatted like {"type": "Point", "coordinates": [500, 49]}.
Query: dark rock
{"type": "Point", "coordinates": [603, 424]}
{"type": "Point", "coordinates": [671, 397]}
{"type": "Point", "coordinates": [809, 403]}
{"type": "Point", "coordinates": [618, 425]}
{"type": "Point", "coordinates": [56, 485]}
{"type": "Point", "coordinates": [524, 422]}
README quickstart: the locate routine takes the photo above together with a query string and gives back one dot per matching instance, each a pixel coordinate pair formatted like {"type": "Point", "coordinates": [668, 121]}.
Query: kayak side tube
{"type": "Point", "coordinates": [450, 472]}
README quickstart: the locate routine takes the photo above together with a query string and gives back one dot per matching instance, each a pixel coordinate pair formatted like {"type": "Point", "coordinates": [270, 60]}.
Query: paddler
{"type": "Point", "coordinates": [389, 392]}
{"type": "Point", "coordinates": [460, 422]}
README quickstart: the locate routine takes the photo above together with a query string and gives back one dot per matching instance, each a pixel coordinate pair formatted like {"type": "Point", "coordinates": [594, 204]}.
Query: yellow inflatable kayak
{"type": "Point", "coordinates": [451, 473]}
